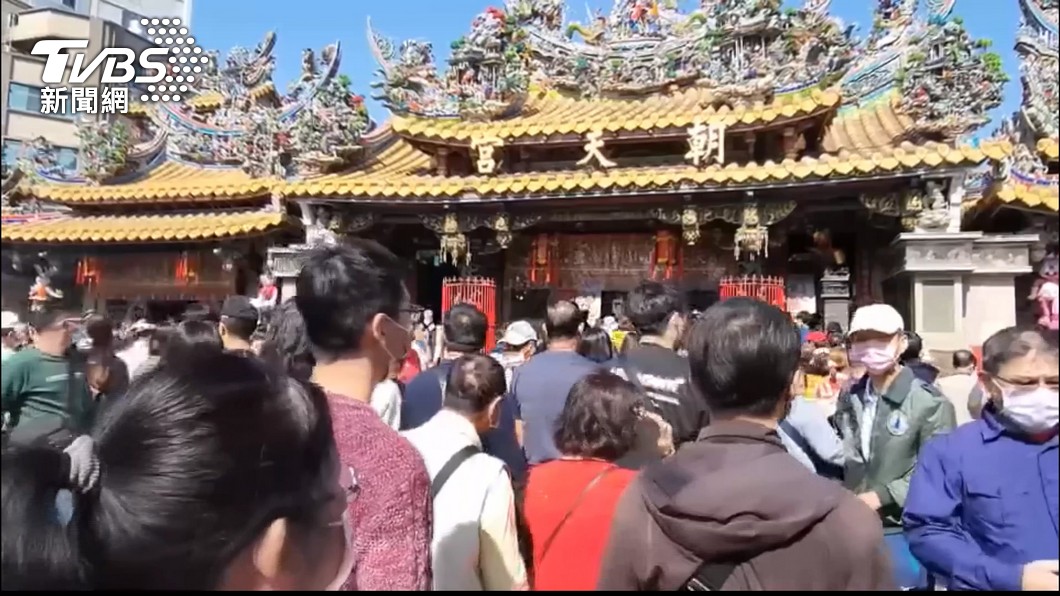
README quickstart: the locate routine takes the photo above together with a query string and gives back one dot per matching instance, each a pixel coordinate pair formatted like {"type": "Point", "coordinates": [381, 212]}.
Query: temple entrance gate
{"type": "Point", "coordinates": [480, 292]}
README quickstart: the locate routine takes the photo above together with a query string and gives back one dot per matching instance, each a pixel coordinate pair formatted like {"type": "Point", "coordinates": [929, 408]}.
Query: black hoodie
{"type": "Point", "coordinates": [736, 496]}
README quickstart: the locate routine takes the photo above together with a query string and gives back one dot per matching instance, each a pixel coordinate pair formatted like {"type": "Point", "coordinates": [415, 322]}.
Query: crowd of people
{"type": "Point", "coordinates": [345, 441]}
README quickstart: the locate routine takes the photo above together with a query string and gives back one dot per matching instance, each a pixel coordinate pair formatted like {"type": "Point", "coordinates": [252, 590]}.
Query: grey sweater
{"type": "Point", "coordinates": [812, 423]}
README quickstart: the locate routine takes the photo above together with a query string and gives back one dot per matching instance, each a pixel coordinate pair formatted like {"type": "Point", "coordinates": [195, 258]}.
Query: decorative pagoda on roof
{"type": "Point", "coordinates": [572, 156]}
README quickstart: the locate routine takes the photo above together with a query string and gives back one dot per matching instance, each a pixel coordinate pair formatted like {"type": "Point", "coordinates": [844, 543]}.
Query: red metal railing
{"type": "Point", "coordinates": [767, 289]}
{"type": "Point", "coordinates": [480, 292]}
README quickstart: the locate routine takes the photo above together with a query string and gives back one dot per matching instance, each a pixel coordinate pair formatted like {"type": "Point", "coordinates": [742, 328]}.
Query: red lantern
{"type": "Point", "coordinates": [666, 258]}
{"type": "Point", "coordinates": [185, 272]}
{"type": "Point", "coordinates": [541, 261]}
{"type": "Point", "coordinates": [87, 272]}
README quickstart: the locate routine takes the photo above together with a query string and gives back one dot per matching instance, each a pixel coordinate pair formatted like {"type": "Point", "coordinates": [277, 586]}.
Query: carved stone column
{"type": "Point", "coordinates": [961, 285]}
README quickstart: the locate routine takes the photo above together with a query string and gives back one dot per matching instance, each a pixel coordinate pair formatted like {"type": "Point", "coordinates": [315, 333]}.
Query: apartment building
{"type": "Point", "coordinates": [105, 23]}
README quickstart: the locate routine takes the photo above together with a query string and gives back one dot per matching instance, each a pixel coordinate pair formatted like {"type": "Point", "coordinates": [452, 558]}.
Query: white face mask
{"type": "Point", "coordinates": [1034, 409]}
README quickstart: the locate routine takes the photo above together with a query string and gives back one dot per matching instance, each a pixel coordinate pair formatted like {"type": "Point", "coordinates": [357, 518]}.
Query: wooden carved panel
{"type": "Point", "coordinates": [154, 275]}
{"type": "Point", "coordinates": [591, 263]}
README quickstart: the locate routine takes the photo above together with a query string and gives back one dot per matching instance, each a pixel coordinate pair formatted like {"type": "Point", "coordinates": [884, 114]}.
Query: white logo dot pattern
{"type": "Point", "coordinates": [169, 34]}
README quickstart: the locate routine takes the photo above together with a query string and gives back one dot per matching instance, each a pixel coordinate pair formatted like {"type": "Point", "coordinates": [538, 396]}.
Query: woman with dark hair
{"type": "Point", "coordinates": [570, 501]}
{"type": "Point", "coordinates": [213, 473]}
{"type": "Point", "coordinates": [595, 344]}
{"type": "Point", "coordinates": [285, 344]}
{"type": "Point", "coordinates": [190, 336]}
{"type": "Point", "coordinates": [982, 497]}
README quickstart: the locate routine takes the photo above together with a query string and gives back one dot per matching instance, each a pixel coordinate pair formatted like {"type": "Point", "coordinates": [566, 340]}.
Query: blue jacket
{"type": "Point", "coordinates": [982, 504]}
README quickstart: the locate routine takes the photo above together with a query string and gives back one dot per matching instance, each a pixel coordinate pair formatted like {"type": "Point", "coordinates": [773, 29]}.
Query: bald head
{"type": "Point", "coordinates": [563, 321]}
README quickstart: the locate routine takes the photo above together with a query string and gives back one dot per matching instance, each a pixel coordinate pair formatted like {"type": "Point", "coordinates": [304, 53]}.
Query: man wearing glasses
{"type": "Point", "coordinates": [45, 393]}
{"type": "Point", "coordinates": [982, 508]}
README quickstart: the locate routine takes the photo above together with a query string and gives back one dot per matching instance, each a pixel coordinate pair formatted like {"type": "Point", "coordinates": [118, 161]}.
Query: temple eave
{"type": "Point", "coordinates": [147, 229]}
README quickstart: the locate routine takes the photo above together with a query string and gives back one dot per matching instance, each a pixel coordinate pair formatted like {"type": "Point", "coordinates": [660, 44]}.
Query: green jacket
{"type": "Point", "coordinates": [38, 392]}
{"type": "Point", "coordinates": [907, 417]}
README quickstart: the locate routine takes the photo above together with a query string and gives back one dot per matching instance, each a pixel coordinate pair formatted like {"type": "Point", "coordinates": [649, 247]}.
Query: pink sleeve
{"type": "Point", "coordinates": [394, 543]}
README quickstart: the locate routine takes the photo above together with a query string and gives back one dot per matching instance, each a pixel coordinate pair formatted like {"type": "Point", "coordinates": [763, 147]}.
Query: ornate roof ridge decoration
{"type": "Point", "coordinates": [1025, 176]}
{"type": "Point", "coordinates": [947, 82]}
{"type": "Point", "coordinates": [314, 129]}
{"type": "Point", "coordinates": [742, 49]}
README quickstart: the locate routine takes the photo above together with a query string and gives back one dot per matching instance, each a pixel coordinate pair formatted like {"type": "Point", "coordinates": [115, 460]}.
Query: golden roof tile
{"type": "Point", "coordinates": [400, 171]}
{"type": "Point", "coordinates": [1035, 196]}
{"type": "Point", "coordinates": [1050, 148]}
{"type": "Point", "coordinates": [145, 228]}
{"type": "Point", "coordinates": [874, 125]}
{"type": "Point", "coordinates": [554, 114]}
{"type": "Point", "coordinates": [169, 182]}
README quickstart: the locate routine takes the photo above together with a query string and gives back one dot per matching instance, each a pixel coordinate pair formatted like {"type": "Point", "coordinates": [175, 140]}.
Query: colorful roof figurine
{"type": "Point", "coordinates": [526, 63]}
{"type": "Point", "coordinates": [1028, 178]}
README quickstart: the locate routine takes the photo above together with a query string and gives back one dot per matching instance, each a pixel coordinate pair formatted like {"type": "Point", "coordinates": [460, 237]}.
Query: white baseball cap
{"type": "Point", "coordinates": [881, 318]}
{"type": "Point", "coordinates": [9, 320]}
{"type": "Point", "coordinates": [519, 333]}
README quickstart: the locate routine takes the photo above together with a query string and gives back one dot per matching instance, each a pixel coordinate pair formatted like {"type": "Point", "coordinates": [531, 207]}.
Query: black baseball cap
{"type": "Point", "coordinates": [239, 307]}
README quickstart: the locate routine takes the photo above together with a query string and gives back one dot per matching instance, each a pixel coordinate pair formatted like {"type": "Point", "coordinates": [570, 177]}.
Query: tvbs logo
{"type": "Point", "coordinates": [120, 65]}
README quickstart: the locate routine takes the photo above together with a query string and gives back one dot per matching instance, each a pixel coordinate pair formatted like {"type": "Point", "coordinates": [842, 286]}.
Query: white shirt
{"type": "Point", "coordinates": [475, 546]}
{"type": "Point", "coordinates": [869, 402]}
{"type": "Point", "coordinates": [136, 355]}
{"type": "Point", "coordinates": [386, 401]}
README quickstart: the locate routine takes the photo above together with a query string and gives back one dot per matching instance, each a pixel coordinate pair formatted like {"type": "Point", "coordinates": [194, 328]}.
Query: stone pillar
{"type": "Point", "coordinates": [936, 264]}
{"type": "Point", "coordinates": [991, 298]}
{"type": "Point", "coordinates": [962, 284]}
{"type": "Point", "coordinates": [835, 294]}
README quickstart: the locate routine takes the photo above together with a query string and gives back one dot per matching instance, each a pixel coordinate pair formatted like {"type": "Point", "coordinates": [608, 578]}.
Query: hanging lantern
{"type": "Point", "coordinates": [541, 261]}
{"type": "Point", "coordinates": [87, 273]}
{"type": "Point", "coordinates": [185, 272]}
{"type": "Point", "coordinates": [666, 258]}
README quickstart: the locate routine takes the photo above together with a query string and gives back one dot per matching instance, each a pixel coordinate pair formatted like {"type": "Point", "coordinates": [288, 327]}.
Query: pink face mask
{"type": "Point", "coordinates": [877, 356]}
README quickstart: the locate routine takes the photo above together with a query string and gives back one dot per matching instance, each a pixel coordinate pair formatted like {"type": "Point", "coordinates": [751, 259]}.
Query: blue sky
{"type": "Point", "coordinates": [222, 24]}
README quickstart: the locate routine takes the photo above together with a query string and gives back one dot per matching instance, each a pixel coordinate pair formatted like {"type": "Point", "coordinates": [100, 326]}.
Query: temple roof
{"type": "Point", "coordinates": [231, 140]}
{"type": "Point", "coordinates": [896, 102]}
{"type": "Point", "coordinates": [398, 171]}
{"type": "Point", "coordinates": [170, 182]}
{"type": "Point", "coordinates": [146, 228]}
{"type": "Point", "coordinates": [551, 114]}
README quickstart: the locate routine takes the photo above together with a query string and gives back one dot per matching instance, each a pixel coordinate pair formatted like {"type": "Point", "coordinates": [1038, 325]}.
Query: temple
{"type": "Point", "coordinates": [738, 148]}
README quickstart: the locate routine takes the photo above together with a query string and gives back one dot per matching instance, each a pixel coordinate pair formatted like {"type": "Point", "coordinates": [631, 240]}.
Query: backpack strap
{"type": "Point", "coordinates": [451, 466]}
{"type": "Point", "coordinates": [710, 577]}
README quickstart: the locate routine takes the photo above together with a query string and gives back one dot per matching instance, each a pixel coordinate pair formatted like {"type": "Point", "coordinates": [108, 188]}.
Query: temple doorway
{"type": "Point", "coordinates": [431, 271]}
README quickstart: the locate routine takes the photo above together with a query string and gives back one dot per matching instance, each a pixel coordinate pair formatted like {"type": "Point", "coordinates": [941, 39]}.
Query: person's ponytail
{"type": "Point", "coordinates": [39, 542]}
